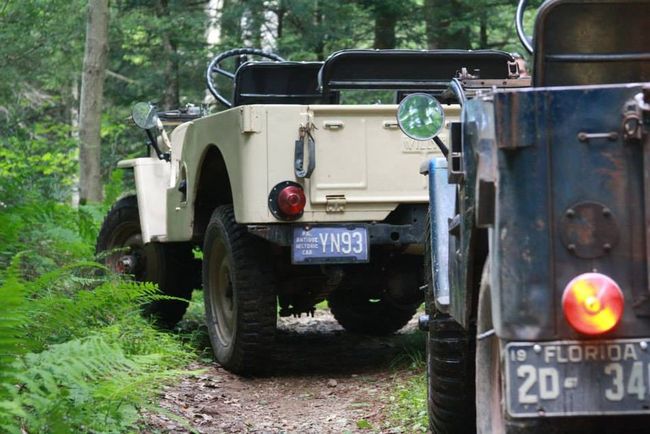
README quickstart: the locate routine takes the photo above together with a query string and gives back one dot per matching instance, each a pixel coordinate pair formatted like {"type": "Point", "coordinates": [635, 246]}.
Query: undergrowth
{"type": "Point", "coordinates": [408, 399]}
{"type": "Point", "coordinates": [76, 355]}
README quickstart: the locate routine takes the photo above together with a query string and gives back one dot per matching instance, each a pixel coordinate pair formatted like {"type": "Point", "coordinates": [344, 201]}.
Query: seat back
{"type": "Point", "coordinates": [279, 83]}
{"type": "Point", "coordinates": [581, 42]}
{"type": "Point", "coordinates": [409, 69]}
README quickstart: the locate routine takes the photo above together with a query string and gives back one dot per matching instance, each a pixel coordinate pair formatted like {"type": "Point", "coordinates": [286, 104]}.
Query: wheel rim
{"type": "Point", "coordinates": [127, 249]}
{"type": "Point", "coordinates": [222, 299]}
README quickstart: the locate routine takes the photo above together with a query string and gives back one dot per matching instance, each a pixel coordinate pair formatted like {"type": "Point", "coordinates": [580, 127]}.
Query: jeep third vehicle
{"type": "Point", "coordinates": [292, 197]}
{"type": "Point", "coordinates": [538, 306]}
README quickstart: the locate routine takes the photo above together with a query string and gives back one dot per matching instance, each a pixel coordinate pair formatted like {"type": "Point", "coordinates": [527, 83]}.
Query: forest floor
{"type": "Point", "coordinates": [323, 380]}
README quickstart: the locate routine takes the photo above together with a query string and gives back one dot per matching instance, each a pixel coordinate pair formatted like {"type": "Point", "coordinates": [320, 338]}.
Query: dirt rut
{"type": "Point", "coordinates": [323, 380]}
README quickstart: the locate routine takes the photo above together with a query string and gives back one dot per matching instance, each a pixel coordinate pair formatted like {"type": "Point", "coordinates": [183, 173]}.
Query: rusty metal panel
{"type": "Point", "coordinates": [566, 205]}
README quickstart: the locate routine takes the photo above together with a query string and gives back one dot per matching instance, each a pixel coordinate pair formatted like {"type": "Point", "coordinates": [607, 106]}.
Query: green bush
{"type": "Point", "coordinates": [76, 355]}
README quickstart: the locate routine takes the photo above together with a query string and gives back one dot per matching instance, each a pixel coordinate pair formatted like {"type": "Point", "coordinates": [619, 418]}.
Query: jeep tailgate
{"type": "Point", "coordinates": [362, 157]}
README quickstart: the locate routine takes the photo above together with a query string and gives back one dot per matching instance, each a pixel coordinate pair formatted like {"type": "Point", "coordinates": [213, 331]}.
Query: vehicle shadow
{"type": "Point", "coordinates": [319, 346]}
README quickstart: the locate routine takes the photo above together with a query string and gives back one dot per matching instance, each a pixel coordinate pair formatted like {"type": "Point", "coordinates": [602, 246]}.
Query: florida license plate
{"type": "Point", "coordinates": [322, 245]}
{"type": "Point", "coordinates": [567, 378]}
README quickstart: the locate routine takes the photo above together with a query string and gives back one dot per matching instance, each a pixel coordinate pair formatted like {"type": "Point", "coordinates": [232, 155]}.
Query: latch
{"type": "Point", "coordinates": [335, 203]}
{"type": "Point", "coordinates": [304, 137]}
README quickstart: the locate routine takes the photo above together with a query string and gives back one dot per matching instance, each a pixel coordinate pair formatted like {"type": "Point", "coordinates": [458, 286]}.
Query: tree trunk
{"type": "Point", "coordinates": [281, 11]}
{"type": "Point", "coordinates": [319, 48]}
{"type": "Point", "coordinates": [483, 30]}
{"type": "Point", "coordinates": [385, 23]}
{"type": "Point", "coordinates": [440, 14]}
{"type": "Point", "coordinates": [90, 110]}
{"type": "Point", "coordinates": [171, 93]}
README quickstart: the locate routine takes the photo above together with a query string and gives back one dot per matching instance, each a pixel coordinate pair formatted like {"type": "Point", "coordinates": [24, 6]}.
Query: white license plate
{"type": "Point", "coordinates": [322, 245]}
{"type": "Point", "coordinates": [570, 378]}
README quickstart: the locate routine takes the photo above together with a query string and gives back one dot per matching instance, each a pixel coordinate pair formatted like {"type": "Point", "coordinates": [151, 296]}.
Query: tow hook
{"type": "Point", "coordinates": [423, 323]}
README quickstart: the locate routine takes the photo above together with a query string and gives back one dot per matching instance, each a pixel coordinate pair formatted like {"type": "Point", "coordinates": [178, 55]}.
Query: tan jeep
{"type": "Point", "coordinates": [294, 198]}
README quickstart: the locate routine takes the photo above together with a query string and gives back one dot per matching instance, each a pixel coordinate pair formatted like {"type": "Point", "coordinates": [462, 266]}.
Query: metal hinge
{"type": "Point", "coordinates": [335, 203]}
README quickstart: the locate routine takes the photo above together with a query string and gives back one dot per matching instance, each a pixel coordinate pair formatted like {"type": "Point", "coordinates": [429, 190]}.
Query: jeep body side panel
{"type": "Point", "coordinates": [360, 154]}
{"type": "Point", "coordinates": [239, 134]}
{"type": "Point", "coordinates": [467, 243]}
{"type": "Point", "coordinates": [560, 198]}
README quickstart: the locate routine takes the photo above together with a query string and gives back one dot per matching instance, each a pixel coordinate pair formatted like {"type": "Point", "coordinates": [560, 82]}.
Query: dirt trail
{"type": "Point", "coordinates": [323, 381]}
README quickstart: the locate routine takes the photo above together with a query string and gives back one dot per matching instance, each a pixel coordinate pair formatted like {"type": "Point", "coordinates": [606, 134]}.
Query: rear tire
{"type": "Point", "coordinates": [171, 266]}
{"type": "Point", "coordinates": [356, 312]}
{"type": "Point", "coordinates": [450, 364]}
{"type": "Point", "coordinates": [240, 296]}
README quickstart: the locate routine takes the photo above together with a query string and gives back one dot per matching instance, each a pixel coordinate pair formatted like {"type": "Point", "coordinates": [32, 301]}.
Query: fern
{"type": "Point", "coordinates": [13, 316]}
{"type": "Point", "coordinates": [75, 353]}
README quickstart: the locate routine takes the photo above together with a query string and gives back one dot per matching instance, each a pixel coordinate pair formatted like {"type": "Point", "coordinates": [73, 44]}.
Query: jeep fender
{"type": "Point", "coordinates": [151, 180]}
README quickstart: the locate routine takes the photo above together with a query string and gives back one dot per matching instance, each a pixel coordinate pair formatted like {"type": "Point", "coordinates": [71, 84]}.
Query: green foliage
{"type": "Point", "coordinates": [49, 235]}
{"type": "Point", "coordinates": [408, 400]}
{"type": "Point", "coordinates": [76, 355]}
{"type": "Point", "coordinates": [409, 403]}
{"type": "Point", "coordinates": [13, 316]}
{"type": "Point", "coordinates": [37, 162]}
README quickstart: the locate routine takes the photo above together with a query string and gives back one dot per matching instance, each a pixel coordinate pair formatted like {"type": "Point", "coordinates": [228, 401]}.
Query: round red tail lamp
{"type": "Point", "coordinates": [287, 201]}
{"type": "Point", "coordinates": [592, 303]}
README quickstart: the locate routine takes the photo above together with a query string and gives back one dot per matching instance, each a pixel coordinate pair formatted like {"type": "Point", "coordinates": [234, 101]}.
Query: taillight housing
{"type": "Point", "coordinates": [592, 303]}
{"type": "Point", "coordinates": [287, 201]}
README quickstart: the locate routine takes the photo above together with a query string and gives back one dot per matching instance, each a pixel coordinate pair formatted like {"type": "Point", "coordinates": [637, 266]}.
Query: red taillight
{"type": "Point", "coordinates": [291, 201]}
{"type": "Point", "coordinates": [592, 303]}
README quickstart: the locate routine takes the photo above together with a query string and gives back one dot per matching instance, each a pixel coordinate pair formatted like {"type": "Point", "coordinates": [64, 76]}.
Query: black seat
{"type": "Point", "coordinates": [592, 42]}
{"type": "Point", "coordinates": [410, 69]}
{"type": "Point", "coordinates": [279, 83]}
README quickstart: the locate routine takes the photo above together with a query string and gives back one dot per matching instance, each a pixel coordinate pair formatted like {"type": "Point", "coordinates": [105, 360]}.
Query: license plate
{"type": "Point", "coordinates": [322, 245]}
{"type": "Point", "coordinates": [566, 378]}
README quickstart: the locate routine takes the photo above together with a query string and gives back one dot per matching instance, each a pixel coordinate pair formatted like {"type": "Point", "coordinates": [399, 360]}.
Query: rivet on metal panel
{"type": "Point", "coordinates": [589, 229]}
{"type": "Point", "coordinates": [643, 345]}
{"type": "Point", "coordinates": [537, 348]}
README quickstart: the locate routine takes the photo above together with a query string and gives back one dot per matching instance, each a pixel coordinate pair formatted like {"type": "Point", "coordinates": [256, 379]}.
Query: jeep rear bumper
{"type": "Point", "coordinates": [402, 228]}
